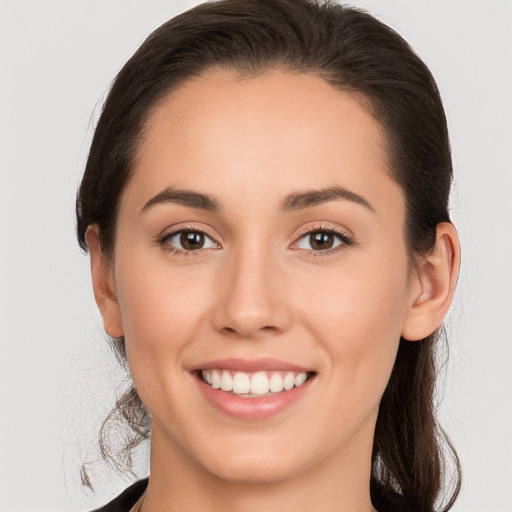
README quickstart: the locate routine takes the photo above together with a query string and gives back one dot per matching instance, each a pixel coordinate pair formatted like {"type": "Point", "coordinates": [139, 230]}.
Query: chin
{"type": "Point", "coordinates": [257, 461]}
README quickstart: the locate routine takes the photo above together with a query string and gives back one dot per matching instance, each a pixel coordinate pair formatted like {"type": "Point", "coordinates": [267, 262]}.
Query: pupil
{"type": "Point", "coordinates": [191, 240]}
{"type": "Point", "coordinates": [321, 241]}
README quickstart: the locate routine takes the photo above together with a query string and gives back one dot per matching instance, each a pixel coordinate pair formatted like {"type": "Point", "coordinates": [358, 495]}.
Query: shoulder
{"type": "Point", "coordinates": [125, 501]}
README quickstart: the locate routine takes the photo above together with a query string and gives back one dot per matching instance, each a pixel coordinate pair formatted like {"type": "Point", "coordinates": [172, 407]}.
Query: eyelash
{"type": "Point", "coordinates": [164, 239]}
{"type": "Point", "coordinates": [345, 239]}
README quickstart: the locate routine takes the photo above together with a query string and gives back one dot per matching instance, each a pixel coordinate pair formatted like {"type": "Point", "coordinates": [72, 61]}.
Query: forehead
{"type": "Point", "coordinates": [271, 133]}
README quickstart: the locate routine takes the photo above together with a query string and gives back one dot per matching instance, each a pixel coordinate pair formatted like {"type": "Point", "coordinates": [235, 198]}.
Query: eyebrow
{"type": "Point", "coordinates": [295, 201]}
{"type": "Point", "coordinates": [184, 198]}
{"type": "Point", "coordinates": [311, 198]}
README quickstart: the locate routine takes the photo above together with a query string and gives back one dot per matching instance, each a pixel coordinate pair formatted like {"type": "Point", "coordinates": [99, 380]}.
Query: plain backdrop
{"type": "Point", "coordinates": [57, 376]}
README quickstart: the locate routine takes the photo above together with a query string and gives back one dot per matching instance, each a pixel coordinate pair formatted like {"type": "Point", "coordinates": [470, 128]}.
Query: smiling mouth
{"type": "Point", "coordinates": [254, 384]}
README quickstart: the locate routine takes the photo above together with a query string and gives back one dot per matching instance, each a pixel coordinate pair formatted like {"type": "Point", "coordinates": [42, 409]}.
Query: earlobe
{"type": "Point", "coordinates": [103, 284]}
{"type": "Point", "coordinates": [433, 286]}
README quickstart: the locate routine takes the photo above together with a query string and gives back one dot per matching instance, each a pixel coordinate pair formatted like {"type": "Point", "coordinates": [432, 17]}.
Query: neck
{"type": "Point", "coordinates": [339, 483]}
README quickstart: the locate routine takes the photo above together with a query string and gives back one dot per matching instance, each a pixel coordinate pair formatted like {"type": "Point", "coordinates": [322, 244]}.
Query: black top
{"type": "Point", "coordinates": [125, 501]}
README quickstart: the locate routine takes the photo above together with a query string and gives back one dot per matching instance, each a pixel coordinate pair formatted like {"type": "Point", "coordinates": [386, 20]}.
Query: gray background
{"type": "Point", "coordinates": [57, 377]}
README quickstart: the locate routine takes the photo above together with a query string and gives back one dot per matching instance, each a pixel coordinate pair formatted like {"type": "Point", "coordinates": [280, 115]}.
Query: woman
{"type": "Point", "coordinates": [266, 208]}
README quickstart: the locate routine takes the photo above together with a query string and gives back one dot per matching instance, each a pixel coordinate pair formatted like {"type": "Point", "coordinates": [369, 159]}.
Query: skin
{"type": "Point", "coordinates": [259, 289]}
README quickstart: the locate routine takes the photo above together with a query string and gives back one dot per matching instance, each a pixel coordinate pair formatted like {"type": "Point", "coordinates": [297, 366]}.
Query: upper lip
{"type": "Point", "coordinates": [252, 365]}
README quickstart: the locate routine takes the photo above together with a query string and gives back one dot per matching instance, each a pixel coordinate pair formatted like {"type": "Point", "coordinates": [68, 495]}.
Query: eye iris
{"type": "Point", "coordinates": [191, 240]}
{"type": "Point", "coordinates": [321, 240]}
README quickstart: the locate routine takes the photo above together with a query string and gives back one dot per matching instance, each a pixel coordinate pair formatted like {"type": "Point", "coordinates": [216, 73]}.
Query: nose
{"type": "Point", "coordinates": [252, 300]}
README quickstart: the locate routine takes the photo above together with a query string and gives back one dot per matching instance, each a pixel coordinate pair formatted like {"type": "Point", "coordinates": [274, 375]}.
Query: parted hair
{"type": "Point", "coordinates": [356, 53]}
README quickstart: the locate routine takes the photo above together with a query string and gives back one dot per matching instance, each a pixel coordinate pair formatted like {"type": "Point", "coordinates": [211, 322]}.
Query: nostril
{"type": "Point", "coordinates": [248, 333]}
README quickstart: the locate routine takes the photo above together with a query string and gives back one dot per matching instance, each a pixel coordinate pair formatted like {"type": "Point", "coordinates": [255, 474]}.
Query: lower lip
{"type": "Point", "coordinates": [252, 408]}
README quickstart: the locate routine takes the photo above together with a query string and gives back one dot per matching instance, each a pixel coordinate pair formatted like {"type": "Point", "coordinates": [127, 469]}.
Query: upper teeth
{"type": "Point", "coordinates": [259, 383]}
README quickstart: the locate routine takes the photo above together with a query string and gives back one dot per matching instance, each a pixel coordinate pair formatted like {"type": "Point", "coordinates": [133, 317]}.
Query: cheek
{"type": "Point", "coordinates": [162, 311]}
{"type": "Point", "coordinates": [357, 316]}
{"type": "Point", "coordinates": [162, 314]}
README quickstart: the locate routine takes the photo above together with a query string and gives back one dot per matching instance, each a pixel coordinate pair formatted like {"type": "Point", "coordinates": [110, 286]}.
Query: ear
{"type": "Point", "coordinates": [103, 284]}
{"type": "Point", "coordinates": [433, 285]}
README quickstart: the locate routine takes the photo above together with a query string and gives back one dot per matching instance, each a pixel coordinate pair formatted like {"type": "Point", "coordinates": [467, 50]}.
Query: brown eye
{"type": "Point", "coordinates": [321, 240]}
{"type": "Point", "coordinates": [189, 240]}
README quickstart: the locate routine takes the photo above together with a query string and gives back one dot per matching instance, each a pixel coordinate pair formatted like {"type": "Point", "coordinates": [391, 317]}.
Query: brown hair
{"type": "Point", "coordinates": [353, 51]}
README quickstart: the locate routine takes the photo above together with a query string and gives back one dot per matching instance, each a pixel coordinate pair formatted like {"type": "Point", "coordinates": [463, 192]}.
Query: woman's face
{"type": "Point", "coordinates": [260, 239]}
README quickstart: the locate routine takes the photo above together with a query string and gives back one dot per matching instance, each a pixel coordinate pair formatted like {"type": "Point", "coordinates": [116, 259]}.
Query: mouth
{"type": "Point", "coordinates": [253, 389]}
{"type": "Point", "coordinates": [255, 384]}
